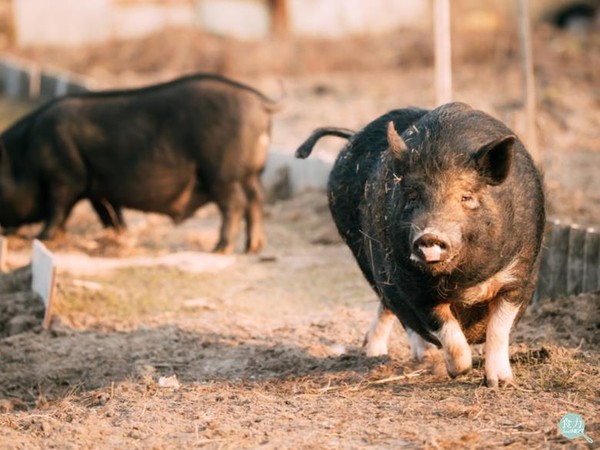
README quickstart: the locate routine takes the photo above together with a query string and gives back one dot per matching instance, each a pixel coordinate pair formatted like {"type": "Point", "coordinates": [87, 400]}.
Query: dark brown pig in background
{"type": "Point", "coordinates": [168, 148]}
{"type": "Point", "coordinates": [444, 213]}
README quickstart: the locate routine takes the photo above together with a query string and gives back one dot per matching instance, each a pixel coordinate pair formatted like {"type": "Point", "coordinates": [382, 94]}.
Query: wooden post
{"type": "Point", "coordinates": [443, 52]}
{"type": "Point", "coordinates": [528, 79]}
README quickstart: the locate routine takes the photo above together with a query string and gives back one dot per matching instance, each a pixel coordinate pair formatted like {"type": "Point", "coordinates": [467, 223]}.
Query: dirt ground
{"type": "Point", "coordinates": [156, 343]}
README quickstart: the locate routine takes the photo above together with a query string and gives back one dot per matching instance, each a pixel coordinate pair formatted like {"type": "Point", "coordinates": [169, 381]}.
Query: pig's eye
{"type": "Point", "coordinates": [469, 201]}
{"type": "Point", "coordinates": [412, 197]}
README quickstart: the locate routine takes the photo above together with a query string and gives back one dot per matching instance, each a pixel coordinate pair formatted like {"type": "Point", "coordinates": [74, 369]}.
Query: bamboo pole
{"type": "Point", "coordinates": [528, 79]}
{"type": "Point", "coordinates": [443, 52]}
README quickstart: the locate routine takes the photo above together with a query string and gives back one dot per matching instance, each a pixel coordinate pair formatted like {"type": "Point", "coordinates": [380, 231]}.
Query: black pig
{"type": "Point", "coordinates": [168, 148]}
{"type": "Point", "coordinates": [444, 213]}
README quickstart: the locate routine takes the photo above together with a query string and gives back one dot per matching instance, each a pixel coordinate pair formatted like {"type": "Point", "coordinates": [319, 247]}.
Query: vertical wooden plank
{"type": "Point", "coordinates": [443, 52]}
{"type": "Point", "coordinates": [47, 86]}
{"type": "Point", "coordinates": [575, 261]}
{"type": "Point", "coordinates": [591, 277]}
{"type": "Point", "coordinates": [560, 258]}
{"type": "Point", "coordinates": [43, 274]}
{"type": "Point", "coordinates": [16, 82]}
{"type": "Point", "coordinates": [544, 285]}
{"type": "Point", "coordinates": [35, 80]}
{"type": "Point", "coordinates": [552, 261]}
{"type": "Point", "coordinates": [62, 83]}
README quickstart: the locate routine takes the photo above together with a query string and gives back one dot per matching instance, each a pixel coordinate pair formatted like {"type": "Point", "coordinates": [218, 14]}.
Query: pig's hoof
{"type": "Point", "coordinates": [375, 347]}
{"type": "Point", "coordinates": [496, 383]}
{"type": "Point", "coordinates": [372, 352]}
{"type": "Point", "coordinates": [458, 364]}
{"type": "Point", "coordinates": [55, 235]}
{"type": "Point", "coordinates": [255, 247]}
{"type": "Point", "coordinates": [222, 249]}
{"type": "Point", "coordinates": [453, 373]}
{"type": "Point", "coordinates": [492, 383]}
{"type": "Point", "coordinates": [497, 371]}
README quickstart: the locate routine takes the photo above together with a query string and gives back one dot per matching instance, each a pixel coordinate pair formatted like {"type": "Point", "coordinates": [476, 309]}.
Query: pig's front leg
{"type": "Point", "coordinates": [456, 349]}
{"type": "Point", "coordinates": [497, 363]}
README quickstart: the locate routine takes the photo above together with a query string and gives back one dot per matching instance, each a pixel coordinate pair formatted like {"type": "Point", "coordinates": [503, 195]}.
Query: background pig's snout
{"type": "Point", "coordinates": [430, 248]}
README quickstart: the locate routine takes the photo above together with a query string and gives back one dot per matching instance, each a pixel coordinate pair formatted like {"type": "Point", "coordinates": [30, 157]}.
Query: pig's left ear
{"type": "Point", "coordinates": [494, 159]}
{"type": "Point", "coordinates": [395, 141]}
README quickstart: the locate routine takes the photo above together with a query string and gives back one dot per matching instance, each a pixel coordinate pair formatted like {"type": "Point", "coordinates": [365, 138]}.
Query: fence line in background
{"type": "Point", "coordinates": [29, 82]}
{"type": "Point", "coordinates": [570, 262]}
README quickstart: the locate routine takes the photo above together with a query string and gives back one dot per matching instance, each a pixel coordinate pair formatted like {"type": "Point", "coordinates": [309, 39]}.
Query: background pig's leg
{"type": "Point", "coordinates": [254, 214]}
{"type": "Point", "coordinates": [497, 363]}
{"type": "Point", "coordinates": [454, 343]}
{"type": "Point", "coordinates": [61, 204]}
{"type": "Point", "coordinates": [231, 200]}
{"type": "Point", "coordinates": [109, 215]}
{"type": "Point", "coordinates": [376, 340]}
{"type": "Point", "coordinates": [419, 347]}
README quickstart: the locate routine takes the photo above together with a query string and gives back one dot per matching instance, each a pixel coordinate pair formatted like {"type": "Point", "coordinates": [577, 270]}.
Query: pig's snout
{"type": "Point", "coordinates": [430, 248]}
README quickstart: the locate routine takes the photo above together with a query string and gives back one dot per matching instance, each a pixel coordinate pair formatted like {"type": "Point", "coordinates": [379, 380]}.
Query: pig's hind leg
{"type": "Point", "coordinates": [376, 340]}
{"type": "Point", "coordinates": [109, 215]}
{"type": "Point", "coordinates": [255, 238]}
{"type": "Point", "coordinates": [231, 201]}
{"type": "Point", "coordinates": [419, 347]}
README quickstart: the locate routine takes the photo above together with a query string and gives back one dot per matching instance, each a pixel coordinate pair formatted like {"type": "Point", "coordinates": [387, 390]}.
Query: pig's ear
{"type": "Point", "coordinates": [494, 159]}
{"type": "Point", "coordinates": [395, 141]}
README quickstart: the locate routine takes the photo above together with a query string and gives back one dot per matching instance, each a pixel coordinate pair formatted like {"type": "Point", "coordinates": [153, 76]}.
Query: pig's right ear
{"type": "Point", "coordinates": [494, 159]}
{"type": "Point", "coordinates": [395, 141]}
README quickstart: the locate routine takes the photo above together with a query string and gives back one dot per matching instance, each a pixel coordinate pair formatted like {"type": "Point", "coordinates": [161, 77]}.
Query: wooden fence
{"type": "Point", "coordinates": [570, 261]}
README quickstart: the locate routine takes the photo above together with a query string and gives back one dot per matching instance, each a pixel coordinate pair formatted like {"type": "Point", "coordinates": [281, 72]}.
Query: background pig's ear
{"type": "Point", "coordinates": [494, 159]}
{"type": "Point", "coordinates": [395, 141]}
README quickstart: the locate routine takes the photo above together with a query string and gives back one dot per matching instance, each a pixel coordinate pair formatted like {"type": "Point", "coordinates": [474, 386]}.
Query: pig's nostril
{"type": "Point", "coordinates": [430, 248]}
{"type": "Point", "coordinates": [430, 240]}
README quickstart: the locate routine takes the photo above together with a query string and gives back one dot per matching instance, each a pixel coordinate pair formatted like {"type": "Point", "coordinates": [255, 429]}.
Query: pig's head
{"type": "Point", "coordinates": [448, 172]}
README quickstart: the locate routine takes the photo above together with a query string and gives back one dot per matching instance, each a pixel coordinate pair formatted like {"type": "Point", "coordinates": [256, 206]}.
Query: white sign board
{"type": "Point", "coordinates": [43, 273]}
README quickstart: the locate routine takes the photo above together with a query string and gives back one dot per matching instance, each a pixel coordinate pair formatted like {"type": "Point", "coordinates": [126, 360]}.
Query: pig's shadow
{"type": "Point", "coordinates": [85, 360]}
